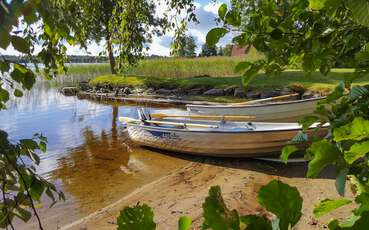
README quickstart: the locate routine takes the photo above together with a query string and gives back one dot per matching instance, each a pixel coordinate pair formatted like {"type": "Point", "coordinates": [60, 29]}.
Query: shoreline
{"type": "Point", "coordinates": [182, 192]}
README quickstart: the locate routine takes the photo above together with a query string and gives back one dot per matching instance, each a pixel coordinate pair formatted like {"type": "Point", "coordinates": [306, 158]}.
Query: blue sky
{"type": "Point", "coordinates": [206, 11]}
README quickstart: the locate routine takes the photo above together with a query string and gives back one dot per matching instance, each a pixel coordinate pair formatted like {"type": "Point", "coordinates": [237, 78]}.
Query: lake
{"type": "Point", "coordinates": [88, 154]}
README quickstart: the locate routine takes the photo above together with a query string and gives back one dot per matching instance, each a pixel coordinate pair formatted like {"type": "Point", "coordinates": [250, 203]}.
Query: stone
{"type": "Point", "coordinates": [252, 94]}
{"type": "Point", "coordinates": [69, 91]}
{"type": "Point", "coordinates": [229, 91]}
{"type": "Point", "coordinates": [239, 92]}
{"type": "Point", "coordinates": [163, 92]}
{"type": "Point", "coordinates": [150, 91]}
{"type": "Point", "coordinates": [124, 91]}
{"type": "Point", "coordinates": [177, 92]}
{"type": "Point", "coordinates": [137, 90]}
{"type": "Point", "coordinates": [308, 94]}
{"type": "Point", "coordinates": [84, 86]}
{"type": "Point", "coordinates": [287, 90]}
{"type": "Point", "coordinates": [214, 92]}
{"type": "Point", "coordinates": [269, 93]}
{"type": "Point", "coordinates": [195, 91]}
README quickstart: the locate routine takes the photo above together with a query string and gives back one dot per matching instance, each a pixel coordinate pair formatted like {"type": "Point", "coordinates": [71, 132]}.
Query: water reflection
{"type": "Point", "coordinates": [88, 156]}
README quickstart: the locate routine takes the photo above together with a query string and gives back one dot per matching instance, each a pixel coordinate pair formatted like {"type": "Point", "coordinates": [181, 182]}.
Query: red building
{"type": "Point", "coordinates": [239, 51]}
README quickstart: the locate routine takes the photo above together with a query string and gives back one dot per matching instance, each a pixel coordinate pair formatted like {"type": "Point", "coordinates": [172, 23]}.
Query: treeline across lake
{"type": "Point", "coordinates": [70, 59]}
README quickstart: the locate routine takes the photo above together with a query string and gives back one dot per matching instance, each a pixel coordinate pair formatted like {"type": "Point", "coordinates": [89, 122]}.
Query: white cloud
{"type": "Point", "coordinates": [213, 7]}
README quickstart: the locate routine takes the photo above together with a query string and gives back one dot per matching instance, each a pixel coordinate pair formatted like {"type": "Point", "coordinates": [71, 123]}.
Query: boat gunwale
{"type": "Point", "coordinates": [214, 130]}
{"type": "Point", "coordinates": [230, 106]}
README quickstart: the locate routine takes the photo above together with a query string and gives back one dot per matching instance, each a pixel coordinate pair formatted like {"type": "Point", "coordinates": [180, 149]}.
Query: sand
{"type": "Point", "coordinates": [183, 191]}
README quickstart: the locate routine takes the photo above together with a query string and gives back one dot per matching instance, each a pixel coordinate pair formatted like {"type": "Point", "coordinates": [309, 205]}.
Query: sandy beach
{"type": "Point", "coordinates": [183, 191]}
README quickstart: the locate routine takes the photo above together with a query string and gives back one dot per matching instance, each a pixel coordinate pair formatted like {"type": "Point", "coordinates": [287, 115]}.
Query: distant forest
{"type": "Point", "coordinates": [71, 58]}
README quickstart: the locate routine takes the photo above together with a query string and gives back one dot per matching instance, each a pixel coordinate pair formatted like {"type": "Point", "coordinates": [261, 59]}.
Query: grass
{"type": "Point", "coordinates": [171, 67]}
{"type": "Point", "coordinates": [314, 82]}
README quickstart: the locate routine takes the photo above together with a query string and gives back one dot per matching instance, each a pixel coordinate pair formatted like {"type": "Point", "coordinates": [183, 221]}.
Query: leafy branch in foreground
{"type": "Point", "coordinates": [346, 147]}
{"type": "Point", "coordinates": [22, 188]}
{"type": "Point", "coordinates": [278, 198]}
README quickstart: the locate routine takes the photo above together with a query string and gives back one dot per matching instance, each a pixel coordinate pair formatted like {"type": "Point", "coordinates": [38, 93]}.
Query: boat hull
{"type": "Point", "coordinates": [262, 112]}
{"type": "Point", "coordinates": [206, 143]}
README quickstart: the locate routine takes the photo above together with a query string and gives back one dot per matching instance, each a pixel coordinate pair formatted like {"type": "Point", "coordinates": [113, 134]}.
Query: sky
{"type": "Point", "coordinates": [206, 11]}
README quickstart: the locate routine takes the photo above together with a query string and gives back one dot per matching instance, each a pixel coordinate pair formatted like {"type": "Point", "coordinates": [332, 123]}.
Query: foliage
{"type": "Point", "coordinates": [327, 205]}
{"type": "Point", "coordinates": [125, 26]}
{"type": "Point", "coordinates": [136, 218]}
{"type": "Point", "coordinates": [20, 185]}
{"type": "Point", "coordinates": [317, 35]}
{"type": "Point", "coordinates": [208, 51]}
{"type": "Point", "coordinates": [217, 216]}
{"type": "Point", "coordinates": [183, 46]}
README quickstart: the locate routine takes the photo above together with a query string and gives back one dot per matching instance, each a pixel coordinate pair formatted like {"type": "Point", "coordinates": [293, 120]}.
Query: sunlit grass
{"type": "Point", "coordinates": [315, 81]}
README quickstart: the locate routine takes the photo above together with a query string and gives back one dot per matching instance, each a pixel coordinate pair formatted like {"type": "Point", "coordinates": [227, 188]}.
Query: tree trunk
{"type": "Point", "coordinates": [111, 55]}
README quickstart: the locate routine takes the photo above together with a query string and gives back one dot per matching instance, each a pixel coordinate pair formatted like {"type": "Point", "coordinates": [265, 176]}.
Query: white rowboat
{"type": "Point", "coordinates": [263, 112]}
{"type": "Point", "coordinates": [213, 138]}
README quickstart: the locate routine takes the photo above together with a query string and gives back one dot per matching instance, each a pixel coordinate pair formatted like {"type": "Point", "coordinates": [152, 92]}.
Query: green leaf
{"type": "Point", "coordinates": [253, 222]}
{"type": "Point", "coordinates": [276, 34]}
{"type": "Point", "coordinates": [328, 205]}
{"type": "Point", "coordinates": [36, 189]}
{"type": "Point", "coordinates": [324, 153]}
{"type": "Point", "coordinates": [29, 144]}
{"type": "Point", "coordinates": [241, 66]}
{"type": "Point", "coordinates": [22, 214]}
{"type": "Point", "coordinates": [251, 72]}
{"type": "Point", "coordinates": [361, 223]}
{"type": "Point", "coordinates": [357, 130]}
{"type": "Point", "coordinates": [359, 9]}
{"type": "Point", "coordinates": [136, 218]}
{"type": "Point", "coordinates": [357, 92]}
{"type": "Point", "coordinates": [307, 121]}
{"type": "Point", "coordinates": [300, 137]}
{"type": "Point", "coordinates": [336, 94]}
{"type": "Point", "coordinates": [4, 95]}
{"type": "Point", "coordinates": [20, 44]}
{"type": "Point", "coordinates": [18, 93]}
{"type": "Point", "coordinates": [184, 223]}
{"type": "Point", "coordinates": [216, 214]}
{"type": "Point", "coordinates": [42, 146]}
{"type": "Point", "coordinates": [341, 181]}
{"type": "Point", "coordinates": [222, 11]}
{"type": "Point", "coordinates": [4, 66]}
{"type": "Point", "coordinates": [5, 39]}
{"type": "Point", "coordinates": [213, 36]}
{"type": "Point", "coordinates": [357, 151]}
{"type": "Point", "coordinates": [287, 151]}
{"type": "Point", "coordinates": [282, 200]}
{"type": "Point", "coordinates": [233, 18]}
{"type": "Point", "coordinates": [316, 4]}
{"type": "Point", "coordinates": [242, 39]}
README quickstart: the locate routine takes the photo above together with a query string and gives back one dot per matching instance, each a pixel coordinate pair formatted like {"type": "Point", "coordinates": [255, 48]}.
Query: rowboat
{"type": "Point", "coordinates": [213, 137]}
{"type": "Point", "coordinates": [272, 111]}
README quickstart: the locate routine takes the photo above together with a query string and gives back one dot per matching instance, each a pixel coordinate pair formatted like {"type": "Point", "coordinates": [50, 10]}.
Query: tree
{"type": "Point", "coordinates": [183, 46]}
{"type": "Point", "coordinates": [220, 51]}
{"type": "Point", "coordinates": [227, 50]}
{"type": "Point", "coordinates": [208, 51]}
{"type": "Point", "coordinates": [126, 26]}
{"type": "Point", "coordinates": [317, 34]}
{"type": "Point", "coordinates": [50, 24]}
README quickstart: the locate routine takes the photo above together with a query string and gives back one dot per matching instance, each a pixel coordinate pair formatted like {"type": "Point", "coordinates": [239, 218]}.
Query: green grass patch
{"type": "Point", "coordinates": [314, 82]}
{"type": "Point", "coordinates": [171, 67]}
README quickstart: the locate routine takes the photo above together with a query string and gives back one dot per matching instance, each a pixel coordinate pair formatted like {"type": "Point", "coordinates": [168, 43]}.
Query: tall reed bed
{"type": "Point", "coordinates": [190, 67]}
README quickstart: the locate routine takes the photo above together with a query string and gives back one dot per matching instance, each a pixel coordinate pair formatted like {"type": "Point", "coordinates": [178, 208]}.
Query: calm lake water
{"type": "Point", "coordinates": [88, 156]}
